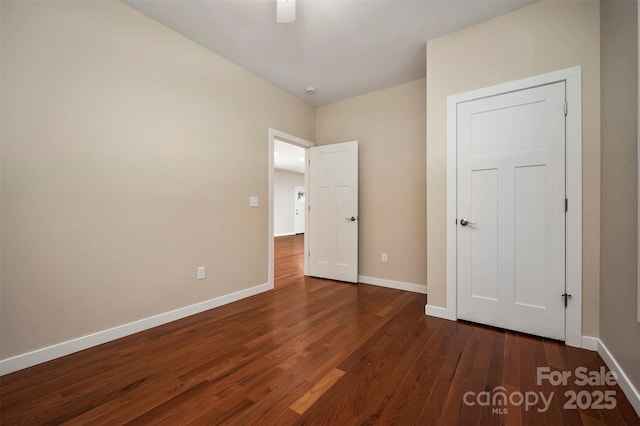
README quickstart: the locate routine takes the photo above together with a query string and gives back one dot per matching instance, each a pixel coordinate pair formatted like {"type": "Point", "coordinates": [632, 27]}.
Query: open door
{"type": "Point", "coordinates": [333, 211]}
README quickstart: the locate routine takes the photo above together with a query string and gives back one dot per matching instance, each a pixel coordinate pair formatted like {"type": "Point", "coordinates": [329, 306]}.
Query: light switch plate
{"type": "Point", "coordinates": [254, 201]}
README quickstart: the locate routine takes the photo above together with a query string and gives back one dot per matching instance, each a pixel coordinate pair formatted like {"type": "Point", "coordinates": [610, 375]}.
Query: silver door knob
{"type": "Point", "coordinates": [350, 219]}
{"type": "Point", "coordinates": [465, 222]}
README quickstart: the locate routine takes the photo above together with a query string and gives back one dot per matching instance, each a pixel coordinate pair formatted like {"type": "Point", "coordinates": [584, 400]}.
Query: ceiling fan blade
{"type": "Point", "coordinates": [285, 11]}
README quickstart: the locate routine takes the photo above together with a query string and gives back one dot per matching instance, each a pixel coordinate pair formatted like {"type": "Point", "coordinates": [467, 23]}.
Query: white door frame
{"type": "Point", "coordinates": [573, 79]}
{"type": "Point", "coordinates": [294, 140]}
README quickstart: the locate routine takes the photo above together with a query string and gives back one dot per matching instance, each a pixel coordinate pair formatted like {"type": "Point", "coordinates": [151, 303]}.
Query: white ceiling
{"type": "Point", "coordinates": [288, 157]}
{"type": "Point", "coordinates": [343, 48]}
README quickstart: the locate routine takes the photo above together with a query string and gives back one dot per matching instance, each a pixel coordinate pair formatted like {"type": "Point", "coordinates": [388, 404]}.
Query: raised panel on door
{"type": "Point", "coordinates": [484, 241]}
{"type": "Point", "coordinates": [530, 236]}
{"type": "Point", "coordinates": [324, 243]}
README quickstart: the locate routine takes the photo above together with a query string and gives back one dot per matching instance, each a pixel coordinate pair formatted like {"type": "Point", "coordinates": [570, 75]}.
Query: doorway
{"type": "Point", "coordinates": [297, 157]}
{"type": "Point", "coordinates": [288, 189]}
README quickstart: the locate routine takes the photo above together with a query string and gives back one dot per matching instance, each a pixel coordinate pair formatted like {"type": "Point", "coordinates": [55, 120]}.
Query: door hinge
{"type": "Point", "coordinates": [309, 208]}
{"type": "Point", "coordinates": [309, 254]}
{"type": "Point", "coordinates": [566, 108]}
{"type": "Point", "coordinates": [566, 204]}
{"type": "Point", "coordinates": [566, 298]}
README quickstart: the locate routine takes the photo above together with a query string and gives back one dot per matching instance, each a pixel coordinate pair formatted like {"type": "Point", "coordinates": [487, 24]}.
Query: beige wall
{"type": "Point", "coordinates": [390, 128]}
{"type": "Point", "coordinates": [619, 328]}
{"type": "Point", "coordinates": [543, 37]}
{"type": "Point", "coordinates": [128, 156]}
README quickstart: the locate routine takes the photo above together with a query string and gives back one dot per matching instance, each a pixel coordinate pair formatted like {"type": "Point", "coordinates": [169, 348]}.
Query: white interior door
{"type": "Point", "coordinates": [511, 210]}
{"type": "Point", "coordinates": [333, 211]}
{"type": "Point", "coordinates": [298, 210]}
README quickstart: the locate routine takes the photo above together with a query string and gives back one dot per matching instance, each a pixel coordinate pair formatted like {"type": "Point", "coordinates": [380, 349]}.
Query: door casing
{"type": "Point", "coordinates": [573, 79]}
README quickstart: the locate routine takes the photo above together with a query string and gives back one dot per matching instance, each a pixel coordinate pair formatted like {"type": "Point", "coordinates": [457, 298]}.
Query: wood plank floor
{"type": "Point", "coordinates": [309, 352]}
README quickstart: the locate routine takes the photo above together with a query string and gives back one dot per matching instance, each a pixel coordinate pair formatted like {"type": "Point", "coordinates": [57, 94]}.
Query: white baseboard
{"type": "Point", "coordinates": [590, 343]}
{"type": "Point", "coordinates": [398, 285]}
{"type": "Point", "coordinates": [438, 312]}
{"type": "Point", "coordinates": [284, 235]}
{"type": "Point", "coordinates": [623, 380]}
{"type": "Point", "coordinates": [58, 350]}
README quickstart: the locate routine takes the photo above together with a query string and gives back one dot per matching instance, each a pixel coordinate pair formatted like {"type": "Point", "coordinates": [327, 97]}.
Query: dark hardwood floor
{"type": "Point", "coordinates": [310, 352]}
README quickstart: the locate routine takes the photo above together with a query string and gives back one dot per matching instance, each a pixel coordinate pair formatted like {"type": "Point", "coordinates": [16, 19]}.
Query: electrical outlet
{"type": "Point", "coordinates": [201, 273]}
{"type": "Point", "coordinates": [384, 258]}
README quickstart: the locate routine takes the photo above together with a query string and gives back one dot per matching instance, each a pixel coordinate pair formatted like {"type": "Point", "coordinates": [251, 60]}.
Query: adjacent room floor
{"type": "Point", "coordinates": [312, 352]}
